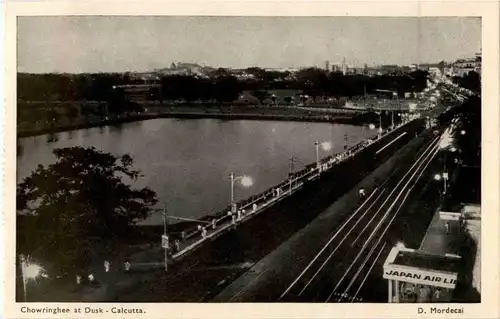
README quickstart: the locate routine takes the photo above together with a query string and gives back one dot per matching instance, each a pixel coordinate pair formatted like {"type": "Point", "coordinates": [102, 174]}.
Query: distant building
{"type": "Point", "coordinates": [435, 70]}
{"type": "Point", "coordinates": [185, 69]}
{"type": "Point", "coordinates": [141, 92]}
{"type": "Point", "coordinates": [464, 66]}
{"type": "Point", "coordinates": [478, 57]}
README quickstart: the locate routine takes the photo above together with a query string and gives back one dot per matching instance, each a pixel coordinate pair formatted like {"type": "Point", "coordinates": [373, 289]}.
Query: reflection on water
{"type": "Point", "coordinates": [187, 162]}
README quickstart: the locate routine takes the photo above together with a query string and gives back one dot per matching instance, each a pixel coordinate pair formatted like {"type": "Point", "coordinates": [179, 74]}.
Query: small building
{"type": "Point", "coordinates": [416, 276]}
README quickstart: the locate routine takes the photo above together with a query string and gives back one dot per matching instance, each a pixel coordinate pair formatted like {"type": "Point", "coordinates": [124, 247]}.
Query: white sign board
{"type": "Point", "coordinates": [418, 276]}
{"type": "Point", "coordinates": [164, 241]}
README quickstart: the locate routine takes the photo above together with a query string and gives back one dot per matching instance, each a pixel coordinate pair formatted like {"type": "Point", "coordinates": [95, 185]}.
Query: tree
{"type": "Point", "coordinates": [226, 89]}
{"type": "Point", "coordinates": [73, 206]}
{"type": "Point", "coordinates": [261, 95]}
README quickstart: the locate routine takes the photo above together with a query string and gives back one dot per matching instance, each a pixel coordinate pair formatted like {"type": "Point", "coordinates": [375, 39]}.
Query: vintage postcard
{"type": "Point", "coordinates": [249, 159]}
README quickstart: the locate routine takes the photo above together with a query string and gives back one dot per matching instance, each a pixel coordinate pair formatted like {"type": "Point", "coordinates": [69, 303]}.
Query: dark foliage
{"type": "Point", "coordinates": [68, 208]}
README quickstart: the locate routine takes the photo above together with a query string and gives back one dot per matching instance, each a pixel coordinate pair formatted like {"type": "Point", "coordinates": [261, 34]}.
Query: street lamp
{"type": "Point", "coordinates": [325, 146]}
{"type": "Point", "coordinates": [446, 140]}
{"type": "Point", "coordinates": [245, 181]}
{"type": "Point", "coordinates": [290, 175]}
{"type": "Point", "coordinates": [444, 177]}
{"type": "Point", "coordinates": [165, 239]}
{"type": "Point", "coordinates": [379, 123]}
{"type": "Point", "coordinates": [29, 271]}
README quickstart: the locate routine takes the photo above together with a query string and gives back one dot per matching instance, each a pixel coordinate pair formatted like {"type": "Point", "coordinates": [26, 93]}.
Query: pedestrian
{"type": "Point", "coordinates": [254, 207]}
{"type": "Point", "coordinates": [203, 232]}
{"type": "Point", "coordinates": [239, 214]}
{"type": "Point", "coordinates": [395, 299]}
{"type": "Point", "coordinates": [412, 293]}
{"type": "Point", "coordinates": [447, 227]}
{"type": "Point", "coordinates": [91, 278]}
{"type": "Point", "coordinates": [233, 217]}
{"type": "Point", "coordinates": [437, 294]}
{"type": "Point", "coordinates": [177, 245]}
{"type": "Point", "coordinates": [425, 294]}
{"type": "Point", "coordinates": [107, 265]}
{"type": "Point", "coordinates": [127, 266]}
{"type": "Point", "coordinates": [78, 279]}
{"type": "Point", "coordinates": [362, 192]}
{"type": "Point", "coordinates": [213, 223]}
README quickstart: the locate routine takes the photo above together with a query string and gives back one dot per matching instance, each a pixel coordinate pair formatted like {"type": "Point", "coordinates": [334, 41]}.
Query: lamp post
{"type": "Point", "coordinates": [165, 241]}
{"type": "Point", "coordinates": [316, 143]}
{"type": "Point", "coordinates": [292, 161]}
{"type": "Point", "coordinates": [444, 177]}
{"type": "Point", "coordinates": [245, 181]}
{"type": "Point", "coordinates": [29, 271]}
{"type": "Point", "coordinates": [379, 123]}
{"type": "Point", "coordinates": [326, 146]}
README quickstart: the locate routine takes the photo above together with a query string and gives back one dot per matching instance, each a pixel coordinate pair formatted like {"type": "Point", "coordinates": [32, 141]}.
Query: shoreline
{"type": "Point", "coordinates": [317, 117]}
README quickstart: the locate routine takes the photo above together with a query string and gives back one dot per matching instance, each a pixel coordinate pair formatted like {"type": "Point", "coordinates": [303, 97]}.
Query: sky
{"type": "Point", "coordinates": [72, 44]}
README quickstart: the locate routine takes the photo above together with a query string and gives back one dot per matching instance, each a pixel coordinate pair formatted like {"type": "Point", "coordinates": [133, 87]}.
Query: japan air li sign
{"type": "Point", "coordinates": [421, 276]}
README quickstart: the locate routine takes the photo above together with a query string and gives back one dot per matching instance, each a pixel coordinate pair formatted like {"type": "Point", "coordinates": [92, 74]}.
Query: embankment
{"type": "Point", "coordinates": [198, 112]}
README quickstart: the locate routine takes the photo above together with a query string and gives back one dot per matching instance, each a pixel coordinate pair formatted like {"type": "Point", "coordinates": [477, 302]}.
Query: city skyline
{"type": "Point", "coordinates": [140, 44]}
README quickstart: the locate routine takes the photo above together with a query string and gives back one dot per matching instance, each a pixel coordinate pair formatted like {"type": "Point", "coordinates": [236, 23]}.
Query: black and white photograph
{"type": "Point", "coordinates": [248, 159]}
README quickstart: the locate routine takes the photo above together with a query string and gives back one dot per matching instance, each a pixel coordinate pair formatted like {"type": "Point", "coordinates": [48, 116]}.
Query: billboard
{"type": "Point", "coordinates": [420, 276]}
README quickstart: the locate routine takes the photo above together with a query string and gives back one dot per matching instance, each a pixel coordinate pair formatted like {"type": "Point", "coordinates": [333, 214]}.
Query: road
{"type": "Point", "coordinates": [342, 261]}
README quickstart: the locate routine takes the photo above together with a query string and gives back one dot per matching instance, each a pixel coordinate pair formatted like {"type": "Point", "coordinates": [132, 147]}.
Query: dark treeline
{"type": "Point", "coordinates": [222, 86]}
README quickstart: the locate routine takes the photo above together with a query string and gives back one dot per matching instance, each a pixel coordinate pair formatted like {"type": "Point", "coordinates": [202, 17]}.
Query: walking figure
{"type": "Point", "coordinates": [127, 266]}
{"type": "Point", "coordinates": [177, 245]}
{"type": "Point", "coordinates": [203, 232]}
{"type": "Point", "coordinates": [78, 279]}
{"type": "Point", "coordinates": [447, 227]}
{"type": "Point", "coordinates": [424, 294]}
{"type": "Point", "coordinates": [362, 193]}
{"type": "Point", "coordinates": [437, 294]}
{"type": "Point", "coordinates": [233, 219]}
{"type": "Point", "coordinates": [213, 223]}
{"type": "Point", "coordinates": [91, 278]}
{"type": "Point", "coordinates": [254, 206]}
{"type": "Point", "coordinates": [107, 265]}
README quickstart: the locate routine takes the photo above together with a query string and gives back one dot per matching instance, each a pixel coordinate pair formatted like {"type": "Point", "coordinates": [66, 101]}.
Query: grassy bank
{"type": "Point", "coordinates": [196, 112]}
